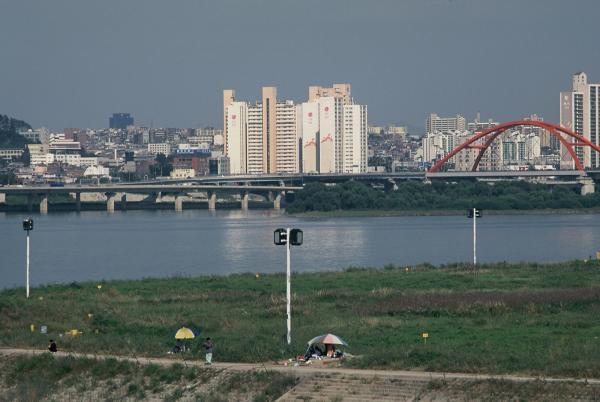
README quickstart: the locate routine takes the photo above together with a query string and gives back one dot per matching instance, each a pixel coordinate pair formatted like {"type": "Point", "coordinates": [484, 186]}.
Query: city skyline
{"type": "Point", "coordinates": [75, 64]}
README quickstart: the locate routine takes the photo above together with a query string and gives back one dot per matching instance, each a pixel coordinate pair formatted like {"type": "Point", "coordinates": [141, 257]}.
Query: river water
{"type": "Point", "coordinates": [68, 247]}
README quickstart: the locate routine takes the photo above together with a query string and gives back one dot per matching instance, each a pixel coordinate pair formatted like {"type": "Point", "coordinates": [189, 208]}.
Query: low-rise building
{"type": "Point", "coordinates": [10, 154]}
{"type": "Point", "coordinates": [159, 148]}
{"type": "Point", "coordinates": [183, 173]}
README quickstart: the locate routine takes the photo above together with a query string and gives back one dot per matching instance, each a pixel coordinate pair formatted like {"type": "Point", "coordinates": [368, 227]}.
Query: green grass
{"type": "Point", "coordinates": [499, 318]}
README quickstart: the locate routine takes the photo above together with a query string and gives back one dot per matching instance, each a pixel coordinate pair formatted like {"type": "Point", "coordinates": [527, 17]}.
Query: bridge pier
{"type": "Point", "coordinates": [29, 202]}
{"type": "Point", "coordinates": [110, 202]}
{"type": "Point", "coordinates": [244, 199]}
{"type": "Point", "coordinates": [78, 202]}
{"type": "Point", "coordinates": [124, 202]}
{"type": "Point", "coordinates": [587, 185]}
{"type": "Point", "coordinates": [178, 203]}
{"type": "Point", "coordinates": [2, 198]}
{"type": "Point", "coordinates": [44, 204]}
{"type": "Point", "coordinates": [277, 200]}
{"type": "Point", "coordinates": [212, 200]}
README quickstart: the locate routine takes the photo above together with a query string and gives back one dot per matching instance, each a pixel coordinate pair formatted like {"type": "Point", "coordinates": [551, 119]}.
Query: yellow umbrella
{"type": "Point", "coordinates": [184, 333]}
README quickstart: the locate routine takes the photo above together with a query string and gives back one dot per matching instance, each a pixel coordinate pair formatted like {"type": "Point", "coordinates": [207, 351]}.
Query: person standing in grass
{"type": "Point", "coordinates": [52, 347]}
{"type": "Point", "coordinates": [208, 349]}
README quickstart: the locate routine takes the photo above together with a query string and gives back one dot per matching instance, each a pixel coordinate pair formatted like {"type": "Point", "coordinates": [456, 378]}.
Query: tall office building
{"type": "Point", "coordinates": [436, 123]}
{"type": "Point", "coordinates": [120, 120]}
{"type": "Point", "coordinates": [579, 113]}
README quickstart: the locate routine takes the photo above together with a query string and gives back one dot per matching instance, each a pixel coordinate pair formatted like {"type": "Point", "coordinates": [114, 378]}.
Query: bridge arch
{"type": "Point", "coordinates": [567, 138]}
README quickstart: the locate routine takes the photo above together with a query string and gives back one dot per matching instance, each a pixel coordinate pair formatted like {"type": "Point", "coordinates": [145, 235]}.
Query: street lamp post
{"type": "Point", "coordinates": [474, 214]}
{"type": "Point", "coordinates": [27, 226]}
{"type": "Point", "coordinates": [288, 237]}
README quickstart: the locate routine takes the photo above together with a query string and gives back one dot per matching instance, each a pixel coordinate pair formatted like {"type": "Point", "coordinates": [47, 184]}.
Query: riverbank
{"type": "Point", "coordinates": [369, 213]}
{"type": "Point", "coordinates": [27, 375]}
{"type": "Point", "coordinates": [498, 318]}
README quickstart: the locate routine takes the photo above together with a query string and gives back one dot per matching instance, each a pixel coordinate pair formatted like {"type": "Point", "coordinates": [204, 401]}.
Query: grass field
{"type": "Point", "coordinates": [499, 318]}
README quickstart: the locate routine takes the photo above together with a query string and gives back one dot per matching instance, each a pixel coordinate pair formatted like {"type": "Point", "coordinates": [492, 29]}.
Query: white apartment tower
{"type": "Point", "coordinates": [261, 137]}
{"type": "Point", "coordinates": [327, 134]}
{"type": "Point", "coordinates": [579, 113]}
{"type": "Point", "coordinates": [333, 130]}
{"type": "Point", "coordinates": [236, 127]}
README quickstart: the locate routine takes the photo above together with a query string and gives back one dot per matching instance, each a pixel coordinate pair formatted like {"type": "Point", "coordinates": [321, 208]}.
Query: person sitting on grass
{"type": "Point", "coordinates": [330, 350]}
{"type": "Point", "coordinates": [52, 347]}
{"type": "Point", "coordinates": [176, 348]}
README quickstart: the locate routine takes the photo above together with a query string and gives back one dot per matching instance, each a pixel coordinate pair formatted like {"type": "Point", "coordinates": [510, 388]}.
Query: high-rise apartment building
{"type": "Point", "coordinates": [327, 134]}
{"type": "Point", "coordinates": [286, 146]}
{"type": "Point", "coordinates": [334, 135]}
{"type": "Point", "coordinates": [264, 139]}
{"type": "Point", "coordinates": [236, 138]}
{"type": "Point", "coordinates": [579, 113]}
{"type": "Point", "coordinates": [436, 123]}
{"type": "Point", "coordinates": [269, 129]}
{"type": "Point", "coordinates": [228, 99]}
{"type": "Point", "coordinates": [339, 91]}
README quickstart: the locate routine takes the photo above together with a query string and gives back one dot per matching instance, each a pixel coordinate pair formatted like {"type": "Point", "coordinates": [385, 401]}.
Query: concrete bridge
{"type": "Point", "coordinates": [275, 186]}
{"type": "Point", "coordinates": [303, 178]}
{"type": "Point", "coordinates": [389, 180]}
{"type": "Point", "coordinates": [179, 191]}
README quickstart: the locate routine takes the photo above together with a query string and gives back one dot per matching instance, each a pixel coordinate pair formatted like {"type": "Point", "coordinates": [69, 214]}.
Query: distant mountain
{"type": "Point", "coordinates": [9, 136]}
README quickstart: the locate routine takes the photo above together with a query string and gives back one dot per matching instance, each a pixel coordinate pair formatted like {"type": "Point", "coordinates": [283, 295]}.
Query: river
{"type": "Point", "coordinates": [68, 247]}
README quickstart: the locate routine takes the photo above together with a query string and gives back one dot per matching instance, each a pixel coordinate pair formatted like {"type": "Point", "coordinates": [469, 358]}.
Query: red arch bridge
{"type": "Point", "coordinates": [484, 139]}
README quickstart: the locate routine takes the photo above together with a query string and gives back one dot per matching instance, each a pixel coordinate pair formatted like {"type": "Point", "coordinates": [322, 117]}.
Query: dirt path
{"type": "Point", "coordinates": [308, 370]}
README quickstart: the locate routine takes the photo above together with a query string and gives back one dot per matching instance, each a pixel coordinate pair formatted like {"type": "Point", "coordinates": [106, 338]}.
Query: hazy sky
{"type": "Point", "coordinates": [71, 63]}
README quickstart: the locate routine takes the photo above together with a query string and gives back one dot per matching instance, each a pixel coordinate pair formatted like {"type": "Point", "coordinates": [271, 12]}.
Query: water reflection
{"type": "Point", "coordinates": [95, 245]}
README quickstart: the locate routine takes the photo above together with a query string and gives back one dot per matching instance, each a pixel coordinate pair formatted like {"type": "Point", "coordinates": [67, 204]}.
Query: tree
{"type": "Point", "coordinates": [161, 167]}
{"type": "Point", "coordinates": [26, 157]}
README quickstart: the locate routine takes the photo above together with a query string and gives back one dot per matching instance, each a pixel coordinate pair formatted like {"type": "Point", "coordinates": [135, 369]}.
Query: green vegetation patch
{"type": "Point", "coordinates": [417, 196]}
{"type": "Point", "coordinates": [28, 378]}
{"type": "Point", "coordinates": [498, 318]}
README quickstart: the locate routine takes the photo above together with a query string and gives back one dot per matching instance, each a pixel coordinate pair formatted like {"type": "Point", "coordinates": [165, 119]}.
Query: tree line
{"type": "Point", "coordinates": [419, 196]}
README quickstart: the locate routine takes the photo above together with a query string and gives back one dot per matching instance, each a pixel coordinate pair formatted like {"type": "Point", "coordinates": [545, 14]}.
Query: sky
{"type": "Point", "coordinates": [72, 63]}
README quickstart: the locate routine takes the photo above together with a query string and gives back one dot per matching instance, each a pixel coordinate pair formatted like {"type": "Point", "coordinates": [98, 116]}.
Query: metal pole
{"type": "Point", "coordinates": [27, 265]}
{"type": "Point", "coordinates": [289, 289]}
{"type": "Point", "coordinates": [474, 236]}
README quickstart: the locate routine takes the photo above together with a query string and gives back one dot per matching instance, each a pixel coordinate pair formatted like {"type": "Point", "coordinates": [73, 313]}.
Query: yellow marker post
{"type": "Point", "coordinates": [425, 335]}
{"type": "Point", "coordinates": [99, 286]}
{"type": "Point", "coordinates": [598, 255]}
{"type": "Point", "coordinates": [32, 328]}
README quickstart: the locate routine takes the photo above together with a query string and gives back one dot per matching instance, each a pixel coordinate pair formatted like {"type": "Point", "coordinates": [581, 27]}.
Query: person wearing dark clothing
{"type": "Point", "coordinates": [52, 347]}
{"type": "Point", "coordinates": [208, 349]}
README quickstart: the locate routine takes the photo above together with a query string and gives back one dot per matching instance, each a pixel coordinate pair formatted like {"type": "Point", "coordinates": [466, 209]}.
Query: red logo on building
{"type": "Point", "coordinates": [327, 108]}
{"type": "Point", "coordinates": [309, 114]}
{"type": "Point", "coordinates": [233, 117]}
